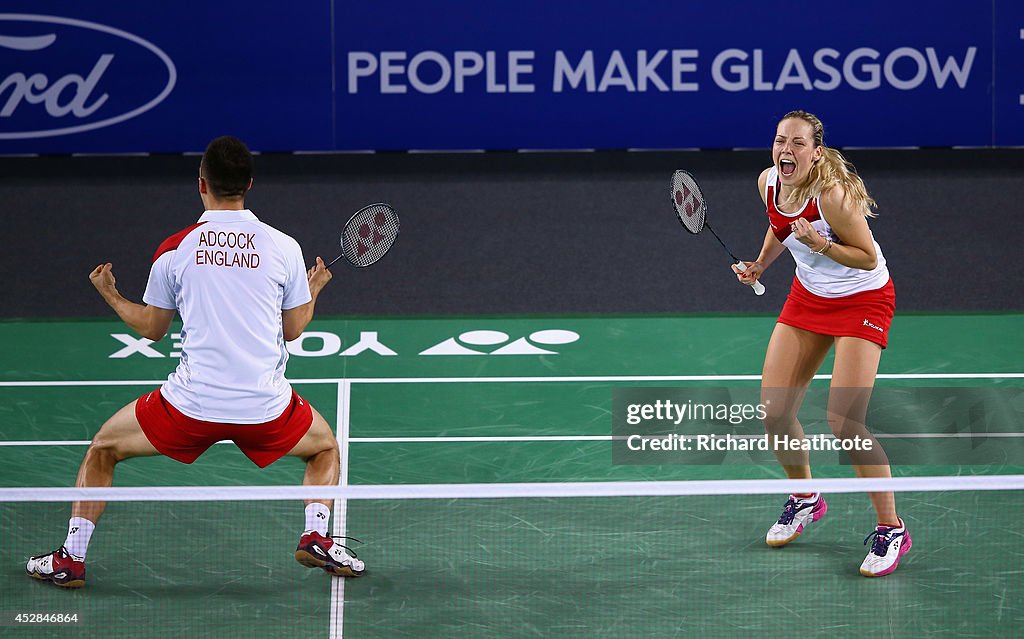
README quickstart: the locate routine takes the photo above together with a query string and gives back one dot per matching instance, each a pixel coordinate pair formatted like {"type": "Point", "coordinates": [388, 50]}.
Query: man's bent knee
{"type": "Point", "coordinates": [104, 451]}
{"type": "Point", "coordinates": [318, 439]}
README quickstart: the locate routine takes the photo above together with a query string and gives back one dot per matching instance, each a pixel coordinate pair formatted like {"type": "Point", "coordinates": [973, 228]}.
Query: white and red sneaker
{"type": "Point", "coordinates": [318, 551]}
{"type": "Point", "coordinates": [59, 567]}
{"type": "Point", "coordinates": [889, 546]}
{"type": "Point", "coordinates": [798, 512]}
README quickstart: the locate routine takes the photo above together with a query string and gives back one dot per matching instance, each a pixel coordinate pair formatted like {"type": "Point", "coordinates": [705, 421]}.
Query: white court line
{"type": "Point", "coordinates": [643, 378]}
{"type": "Point", "coordinates": [337, 625]}
{"type": "Point", "coordinates": [523, 438]}
{"type": "Point", "coordinates": [597, 438]}
{"type": "Point", "coordinates": [484, 438]}
{"type": "Point", "coordinates": [539, 379]}
{"type": "Point", "coordinates": [67, 442]}
{"type": "Point", "coordinates": [70, 442]}
{"type": "Point", "coordinates": [86, 382]}
{"type": "Point", "coordinates": [48, 494]}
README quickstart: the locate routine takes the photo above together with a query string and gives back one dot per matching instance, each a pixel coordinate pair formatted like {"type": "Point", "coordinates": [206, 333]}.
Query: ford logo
{"type": "Point", "coordinates": [60, 76]}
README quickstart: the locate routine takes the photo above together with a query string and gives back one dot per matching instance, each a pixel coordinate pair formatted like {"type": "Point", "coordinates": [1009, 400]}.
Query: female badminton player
{"type": "Point", "coordinates": [841, 297]}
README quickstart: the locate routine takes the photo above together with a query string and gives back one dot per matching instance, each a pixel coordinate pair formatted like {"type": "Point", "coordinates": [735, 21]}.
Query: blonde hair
{"type": "Point", "coordinates": [831, 170]}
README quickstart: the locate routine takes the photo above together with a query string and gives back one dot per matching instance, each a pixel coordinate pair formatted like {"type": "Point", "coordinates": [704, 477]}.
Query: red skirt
{"type": "Point", "coordinates": [867, 315]}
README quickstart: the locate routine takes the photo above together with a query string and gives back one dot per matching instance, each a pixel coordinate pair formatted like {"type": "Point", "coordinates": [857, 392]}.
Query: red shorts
{"type": "Point", "coordinates": [183, 438]}
{"type": "Point", "coordinates": [867, 315]}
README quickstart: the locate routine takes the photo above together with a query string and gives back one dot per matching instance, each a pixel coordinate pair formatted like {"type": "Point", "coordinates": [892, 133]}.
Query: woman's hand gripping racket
{"type": "Point", "coordinates": [692, 211]}
{"type": "Point", "coordinates": [368, 235]}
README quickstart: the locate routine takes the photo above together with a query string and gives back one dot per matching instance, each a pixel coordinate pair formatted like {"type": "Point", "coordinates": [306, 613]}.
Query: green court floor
{"type": "Point", "coordinates": [484, 400]}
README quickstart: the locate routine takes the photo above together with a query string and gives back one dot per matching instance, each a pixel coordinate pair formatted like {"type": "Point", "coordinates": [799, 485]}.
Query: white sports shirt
{"type": "Point", "coordinates": [229, 276]}
{"type": "Point", "coordinates": [820, 274]}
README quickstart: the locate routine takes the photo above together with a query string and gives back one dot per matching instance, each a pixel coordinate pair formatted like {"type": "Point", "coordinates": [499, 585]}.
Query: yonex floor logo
{"type": "Point", "coordinates": [65, 76]}
{"type": "Point", "coordinates": [476, 342]}
{"type": "Point", "coordinates": [326, 344]}
{"type": "Point", "coordinates": [323, 344]}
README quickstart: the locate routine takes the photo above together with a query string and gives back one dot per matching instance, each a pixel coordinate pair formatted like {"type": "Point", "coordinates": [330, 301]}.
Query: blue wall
{"type": "Point", "coordinates": [459, 74]}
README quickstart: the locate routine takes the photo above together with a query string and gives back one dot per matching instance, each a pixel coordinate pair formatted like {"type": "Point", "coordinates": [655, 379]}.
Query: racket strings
{"type": "Point", "coordinates": [369, 234]}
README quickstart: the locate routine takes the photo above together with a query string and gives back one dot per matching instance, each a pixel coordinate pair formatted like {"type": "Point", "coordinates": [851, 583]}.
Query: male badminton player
{"type": "Point", "coordinates": [242, 290]}
{"type": "Point", "coordinates": [842, 296]}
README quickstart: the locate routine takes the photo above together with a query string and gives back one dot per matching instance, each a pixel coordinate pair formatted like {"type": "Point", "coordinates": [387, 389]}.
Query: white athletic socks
{"type": "Point", "coordinates": [316, 518]}
{"type": "Point", "coordinates": [80, 532]}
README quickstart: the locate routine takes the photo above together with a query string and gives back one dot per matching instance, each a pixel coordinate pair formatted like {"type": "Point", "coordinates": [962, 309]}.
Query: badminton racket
{"type": "Point", "coordinates": [368, 235]}
{"type": "Point", "coordinates": [692, 211]}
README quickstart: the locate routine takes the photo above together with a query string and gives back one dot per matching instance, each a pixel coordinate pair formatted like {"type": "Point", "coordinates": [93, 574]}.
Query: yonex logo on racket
{"type": "Point", "coordinates": [368, 235]}
{"type": "Point", "coordinates": [685, 200]}
{"type": "Point", "coordinates": [371, 236]}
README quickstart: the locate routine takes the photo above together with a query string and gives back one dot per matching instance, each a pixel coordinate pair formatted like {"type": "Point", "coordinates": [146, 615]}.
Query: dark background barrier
{"type": "Point", "coordinates": [497, 233]}
{"type": "Point", "coordinates": [504, 231]}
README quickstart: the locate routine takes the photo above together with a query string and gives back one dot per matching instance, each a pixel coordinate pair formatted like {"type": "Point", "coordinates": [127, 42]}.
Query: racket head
{"type": "Point", "coordinates": [688, 201]}
{"type": "Point", "coordinates": [369, 234]}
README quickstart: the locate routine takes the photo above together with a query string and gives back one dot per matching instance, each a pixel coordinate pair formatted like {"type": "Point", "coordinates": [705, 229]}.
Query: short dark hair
{"type": "Point", "coordinates": [227, 167]}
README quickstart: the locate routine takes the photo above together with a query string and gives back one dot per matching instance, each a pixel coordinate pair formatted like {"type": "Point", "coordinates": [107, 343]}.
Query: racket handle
{"type": "Point", "coordinates": [757, 286]}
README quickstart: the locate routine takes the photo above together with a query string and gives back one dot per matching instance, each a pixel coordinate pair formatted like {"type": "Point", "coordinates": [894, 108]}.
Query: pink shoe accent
{"type": "Point", "coordinates": [817, 513]}
{"type": "Point", "coordinates": [904, 548]}
{"type": "Point", "coordinates": [819, 509]}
